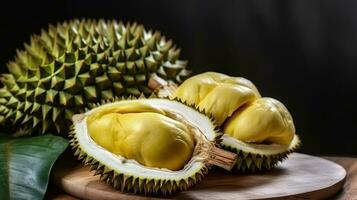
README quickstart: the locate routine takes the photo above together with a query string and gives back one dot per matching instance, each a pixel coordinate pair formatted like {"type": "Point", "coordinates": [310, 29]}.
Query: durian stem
{"type": "Point", "coordinates": [161, 87]}
{"type": "Point", "coordinates": [222, 158]}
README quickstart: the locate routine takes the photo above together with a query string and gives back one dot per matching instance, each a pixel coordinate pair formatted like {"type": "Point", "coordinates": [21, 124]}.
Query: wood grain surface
{"type": "Point", "coordinates": [299, 177]}
{"type": "Point", "coordinates": [349, 190]}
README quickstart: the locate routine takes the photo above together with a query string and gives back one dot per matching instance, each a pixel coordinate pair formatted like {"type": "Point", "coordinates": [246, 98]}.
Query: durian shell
{"type": "Point", "coordinates": [79, 62]}
{"type": "Point", "coordinates": [129, 183]}
{"type": "Point", "coordinates": [250, 161]}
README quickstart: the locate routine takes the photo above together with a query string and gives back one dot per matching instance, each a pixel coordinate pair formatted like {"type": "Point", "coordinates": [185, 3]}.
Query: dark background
{"type": "Point", "coordinates": [303, 53]}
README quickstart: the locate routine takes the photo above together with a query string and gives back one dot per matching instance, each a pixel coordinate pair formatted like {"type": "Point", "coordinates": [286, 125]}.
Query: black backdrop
{"type": "Point", "coordinates": [303, 53]}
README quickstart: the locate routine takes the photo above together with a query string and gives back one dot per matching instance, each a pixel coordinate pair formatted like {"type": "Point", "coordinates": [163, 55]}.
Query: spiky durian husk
{"type": "Point", "coordinates": [252, 162]}
{"type": "Point", "coordinates": [77, 63]}
{"type": "Point", "coordinates": [129, 183]}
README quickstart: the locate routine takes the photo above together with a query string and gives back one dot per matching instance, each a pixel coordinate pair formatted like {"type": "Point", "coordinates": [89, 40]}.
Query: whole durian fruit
{"type": "Point", "coordinates": [150, 146]}
{"type": "Point", "coordinates": [64, 69]}
{"type": "Point", "coordinates": [260, 130]}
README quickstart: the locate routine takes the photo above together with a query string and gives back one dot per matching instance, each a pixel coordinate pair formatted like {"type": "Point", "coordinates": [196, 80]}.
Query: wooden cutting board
{"type": "Point", "coordinates": [299, 177]}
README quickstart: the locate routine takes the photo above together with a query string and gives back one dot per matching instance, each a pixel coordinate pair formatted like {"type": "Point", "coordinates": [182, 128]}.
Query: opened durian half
{"type": "Point", "coordinates": [150, 146]}
{"type": "Point", "coordinates": [262, 133]}
{"type": "Point", "coordinates": [260, 130]}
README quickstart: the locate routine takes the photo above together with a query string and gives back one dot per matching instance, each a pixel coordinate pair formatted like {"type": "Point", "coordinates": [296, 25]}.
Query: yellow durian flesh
{"type": "Point", "coordinates": [194, 89]}
{"type": "Point", "coordinates": [143, 133]}
{"type": "Point", "coordinates": [265, 120]}
{"type": "Point", "coordinates": [242, 82]}
{"type": "Point", "coordinates": [224, 99]}
{"type": "Point", "coordinates": [236, 102]}
{"type": "Point", "coordinates": [217, 94]}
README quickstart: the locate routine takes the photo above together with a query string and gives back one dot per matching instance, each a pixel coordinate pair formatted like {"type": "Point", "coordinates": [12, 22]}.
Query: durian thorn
{"type": "Point", "coordinates": [222, 158]}
{"type": "Point", "coordinates": [160, 86]}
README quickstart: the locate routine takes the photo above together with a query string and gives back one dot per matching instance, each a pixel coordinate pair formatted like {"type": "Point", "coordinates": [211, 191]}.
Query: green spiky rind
{"type": "Point", "coordinates": [253, 162]}
{"type": "Point", "coordinates": [133, 184]}
{"type": "Point", "coordinates": [80, 62]}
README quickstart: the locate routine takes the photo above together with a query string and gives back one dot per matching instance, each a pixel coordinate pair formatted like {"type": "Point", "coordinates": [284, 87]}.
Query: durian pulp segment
{"type": "Point", "coordinates": [195, 89]}
{"type": "Point", "coordinates": [130, 167]}
{"type": "Point", "coordinates": [222, 106]}
{"type": "Point", "coordinates": [144, 133]}
{"type": "Point", "coordinates": [217, 94]}
{"type": "Point", "coordinates": [265, 120]}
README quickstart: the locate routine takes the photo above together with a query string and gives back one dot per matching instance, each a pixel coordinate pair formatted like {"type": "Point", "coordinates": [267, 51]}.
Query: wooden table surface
{"type": "Point", "coordinates": [349, 191]}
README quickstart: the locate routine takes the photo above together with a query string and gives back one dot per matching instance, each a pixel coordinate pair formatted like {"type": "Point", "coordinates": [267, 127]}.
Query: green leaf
{"type": "Point", "coordinates": [25, 165]}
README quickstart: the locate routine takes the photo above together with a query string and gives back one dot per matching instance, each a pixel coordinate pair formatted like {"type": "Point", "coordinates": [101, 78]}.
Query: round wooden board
{"type": "Point", "coordinates": [299, 177]}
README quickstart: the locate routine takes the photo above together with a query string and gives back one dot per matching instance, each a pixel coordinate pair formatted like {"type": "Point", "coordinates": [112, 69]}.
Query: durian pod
{"type": "Point", "coordinates": [79, 62]}
{"type": "Point", "coordinates": [261, 133]}
{"type": "Point", "coordinates": [149, 146]}
{"type": "Point", "coordinates": [260, 130]}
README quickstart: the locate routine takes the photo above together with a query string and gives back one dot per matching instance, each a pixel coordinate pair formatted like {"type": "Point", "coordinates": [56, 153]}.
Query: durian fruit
{"type": "Point", "coordinates": [260, 130]}
{"type": "Point", "coordinates": [150, 146]}
{"type": "Point", "coordinates": [261, 133]}
{"type": "Point", "coordinates": [79, 62]}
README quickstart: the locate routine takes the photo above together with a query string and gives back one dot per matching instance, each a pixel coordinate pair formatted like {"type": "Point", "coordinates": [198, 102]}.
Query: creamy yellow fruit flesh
{"type": "Point", "coordinates": [143, 133]}
{"type": "Point", "coordinates": [217, 94]}
{"type": "Point", "coordinates": [236, 104]}
{"type": "Point", "coordinates": [266, 120]}
{"type": "Point", "coordinates": [224, 100]}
